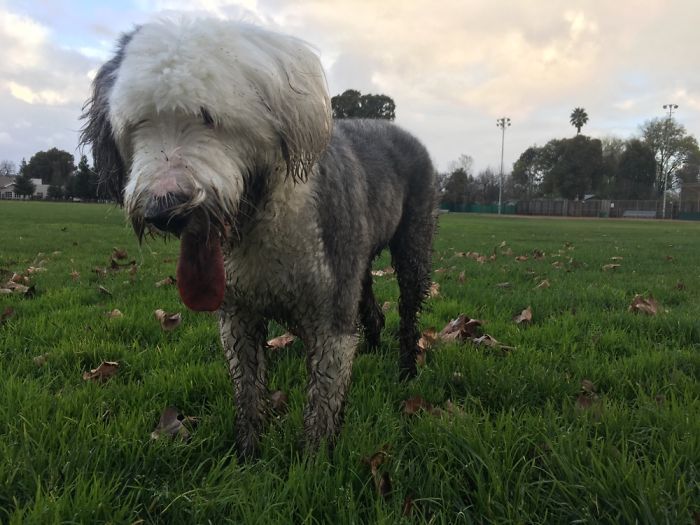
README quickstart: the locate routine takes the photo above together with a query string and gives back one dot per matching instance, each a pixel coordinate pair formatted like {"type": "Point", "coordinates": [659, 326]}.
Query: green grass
{"type": "Point", "coordinates": [516, 450]}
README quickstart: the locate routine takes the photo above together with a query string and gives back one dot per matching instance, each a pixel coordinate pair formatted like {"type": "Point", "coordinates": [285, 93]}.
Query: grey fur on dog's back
{"type": "Point", "coordinates": [371, 172]}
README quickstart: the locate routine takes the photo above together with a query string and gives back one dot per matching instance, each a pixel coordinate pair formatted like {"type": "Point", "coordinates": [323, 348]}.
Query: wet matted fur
{"type": "Point", "coordinates": [221, 133]}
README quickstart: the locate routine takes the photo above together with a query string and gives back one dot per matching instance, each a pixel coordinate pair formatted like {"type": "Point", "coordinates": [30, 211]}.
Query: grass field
{"type": "Point", "coordinates": [521, 441]}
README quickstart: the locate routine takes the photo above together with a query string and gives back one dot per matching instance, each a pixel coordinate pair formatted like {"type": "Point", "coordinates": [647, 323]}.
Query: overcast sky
{"type": "Point", "coordinates": [452, 67]}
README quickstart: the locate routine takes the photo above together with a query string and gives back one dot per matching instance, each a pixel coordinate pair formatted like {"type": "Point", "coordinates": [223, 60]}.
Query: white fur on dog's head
{"type": "Point", "coordinates": [198, 105]}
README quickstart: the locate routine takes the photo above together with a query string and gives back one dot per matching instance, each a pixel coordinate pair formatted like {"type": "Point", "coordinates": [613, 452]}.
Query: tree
{"type": "Point", "coordinates": [352, 104]}
{"type": "Point", "coordinates": [7, 168]}
{"type": "Point", "coordinates": [54, 192]}
{"type": "Point", "coordinates": [52, 167]}
{"type": "Point", "coordinates": [613, 148]}
{"type": "Point", "coordinates": [23, 185]}
{"type": "Point", "coordinates": [84, 185]}
{"type": "Point", "coordinates": [579, 168]}
{"type": "Point", "coordinates": [527, 175]}
{"type": "Point", "coordinates": [464, 162]}
{"type": "Point", "coordinates": [487, 184]}
{"type": "Point", "coordinates": [578, 119]}
{"type": "Point", "coordinates": [636, 172]}
{"type": "Point", "coordinates": [673, 148]}
{"type": "Point", "coordinates": [459, 189]}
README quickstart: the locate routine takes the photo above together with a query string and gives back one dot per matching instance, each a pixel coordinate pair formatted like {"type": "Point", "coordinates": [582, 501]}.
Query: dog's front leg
{"type": "Point", "coordinates": [329, 363]}
{"type": "Point", "coordinates": [243, 336]}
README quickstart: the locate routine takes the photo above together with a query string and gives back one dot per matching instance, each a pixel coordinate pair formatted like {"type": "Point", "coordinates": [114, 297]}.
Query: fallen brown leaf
{"type": "Point", "coordinates": [522, 258]}
{"type": "Point", "coordinates": [114, 314]}
{"type": "Point", "coordinates": [171, 424]}
{"type": "Point", "coordinates": [608, 267]}
{"type": "Point", "coordinates": [460, 329]}
{"type": "Point", "coordinates": [415, 404]}
{"type": "Point", "coordinates": [647, 306]}
{"type": "Point", "coordinates": [40, 360]}
{"type": "Point", "coordinates": [75, 275]}
{"type": "Point", "coordinates": [103, 372]}
{"type": "Point", "coordinates": [168, 321]}
{"type": "Point", "coordinates": [166, 282]}
{"type": "Point", "coordinates": [386, 306]}
{"type": "Point", "coordinates": [282, 341]}
{"type": "Point", "coordinates": [544, 284]}
{"type": "Point", "coordinates": [6, 314]}
{"type": "Point", "coordinates": [487, 340]}
{"type": "Point", "coordinates": [119, 254]}
{"type": "Point", "coordinates": [434, 290]}
{"type": "Point", "coordinates": [524, 317]}
{"type": "Point", "coordinates": [427, 339]}
{"type": "Point", "coordinates": [279, 402]}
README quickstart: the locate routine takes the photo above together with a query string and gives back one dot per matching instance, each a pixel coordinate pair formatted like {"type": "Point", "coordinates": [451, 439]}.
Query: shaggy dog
{"type": "Point", "coordinates": [221, 133]}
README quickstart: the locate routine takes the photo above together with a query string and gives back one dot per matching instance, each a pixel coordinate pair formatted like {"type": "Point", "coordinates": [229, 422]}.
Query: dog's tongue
{"type": "Point", "coordinates": [200, 273]}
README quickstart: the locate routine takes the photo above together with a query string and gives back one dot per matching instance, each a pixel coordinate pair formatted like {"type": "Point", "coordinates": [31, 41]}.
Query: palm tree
{"type": "Point", "coordinates": [578, 119]}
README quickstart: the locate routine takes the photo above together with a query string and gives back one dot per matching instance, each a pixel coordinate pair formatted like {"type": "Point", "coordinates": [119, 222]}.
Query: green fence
{"type": "Point", "coordinates": [480, 208]}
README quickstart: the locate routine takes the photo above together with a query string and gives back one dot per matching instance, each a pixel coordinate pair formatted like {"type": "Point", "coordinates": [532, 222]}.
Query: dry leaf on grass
{"type": "Point", "coordinates": [282, 341]}
{"type": "Point", "coordinates": [279, 402]}
{"type": "Point", "coordinates": [522, 258]}
{"type": "Point", "coordinates": [40, 360]}
{"type": "Point", "coordinates": [588, 397]}
{"type": "Point", "coordinates": [460, 329]}
{"type": "Point", "coordinates": [537, 254]}
{"type": "Point", "coordinates": [172, 424]}
{"type": "Point", "coordinates": [99, 271]}
{"type": "Point", "coordinates": [524, 317]}
{"type": "Point", "coordinates": [647, 306]}
{"type": "Point", "coordinates": [168, 321]}
{"type": "Point", "coordinates": [503, 285]}
{"type": "Point", "coordinates": [6, 314]}
{"type": "Point", "coordinates": [544, 284]}
{"type": "Point", "coordinates": [617, 258]}
{"type": "Point", "coordinates": [114, 314]}
{"type": "Point", "coordinates": [103, 290]}
{"type": "Point", "coordinates": [382, 480]}
{"type": "Point", "coordinates": [386, 306]}
{"type": "Point", "coordinates": [434, 290]}
{"type": "Point", "coordinates": [608, 267]}
{"type": "Point", "coordinates": [103, 372]}
{"type": "Point", "coordinates": [381, 273]}
{"type": "Point", "coordinates": [75, 275]}
{"type": "Point", "coordinates": [119, 254]}
{"type": "Point", "coordinates": [168, 281]}
{"type": "Point", "coordinates": [487, 340]}
{"type": "Point", "coordinates": [415, 404]}
{"type": "Point", "coordinates": [462, 277]}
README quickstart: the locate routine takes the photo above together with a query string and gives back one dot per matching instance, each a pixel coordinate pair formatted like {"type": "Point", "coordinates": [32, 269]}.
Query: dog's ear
{"type": "Point", "coordinates": [97, 131]}
{"type": "Point", "coordinates": [301, 108]}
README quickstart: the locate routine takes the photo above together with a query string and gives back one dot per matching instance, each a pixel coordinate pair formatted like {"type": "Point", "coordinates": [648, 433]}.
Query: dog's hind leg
{"type": "Point", "coordinates": [243, 338]}
{"type": "Point", "coordinates": [411, 250]}
{"type": "Point", "coordinates": [371, 314]}
{"type": "Point", "coordinates": [329, 363]}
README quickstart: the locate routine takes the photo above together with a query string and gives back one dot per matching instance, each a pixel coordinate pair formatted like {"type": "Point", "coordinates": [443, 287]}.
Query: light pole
{"type": "Point", "coordinates": [502, 123]}
{"type": "Point", "coordinates": [671, 108]}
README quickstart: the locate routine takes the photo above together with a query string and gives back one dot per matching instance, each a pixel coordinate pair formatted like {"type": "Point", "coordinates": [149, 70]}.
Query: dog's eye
{"type": "Point", "coordinates": [207, 118]}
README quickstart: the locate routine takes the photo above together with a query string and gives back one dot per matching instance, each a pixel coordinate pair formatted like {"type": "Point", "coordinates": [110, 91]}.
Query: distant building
{"type": "Point", "coordinates": [7, 187]}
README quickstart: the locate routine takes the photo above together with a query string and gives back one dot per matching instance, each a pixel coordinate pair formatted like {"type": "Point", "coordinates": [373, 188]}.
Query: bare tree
{"type": "Point", "coordinates": [7, 168]}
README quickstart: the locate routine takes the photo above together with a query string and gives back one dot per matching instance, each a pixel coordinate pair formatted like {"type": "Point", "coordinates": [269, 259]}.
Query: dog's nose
{"type": "Point", "coordinates": [162, 213]}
